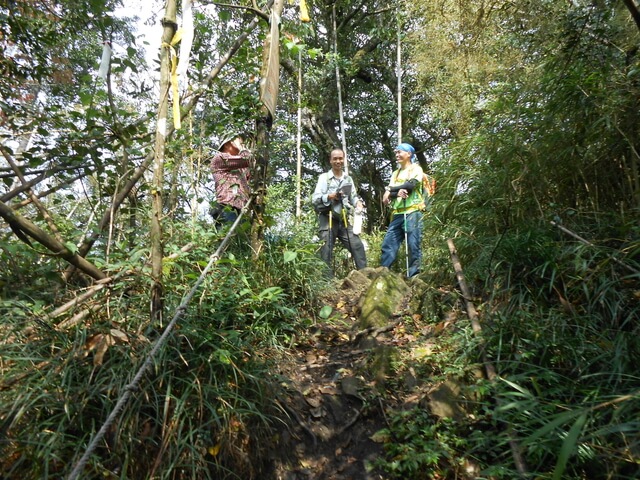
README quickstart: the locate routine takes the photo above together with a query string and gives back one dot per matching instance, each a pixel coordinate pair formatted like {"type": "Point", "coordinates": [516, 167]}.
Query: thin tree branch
{"type": "Point", "coordinates": [43, 175]}
{"type": "Point", "coordinates": [11, 174]}
{"type": "Point", "coordinates": [253, 9]}
{"type": "Point", "coordinates": [46, 193]}
{"type": "Point", "coordinates": [21, 227]}
{"type": "Point", "coordinates": [41, 208]}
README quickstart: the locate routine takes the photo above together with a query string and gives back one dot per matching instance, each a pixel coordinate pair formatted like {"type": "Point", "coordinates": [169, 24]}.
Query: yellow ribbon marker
{"type": "Point", "coordinates": [174, 78]}
{"type": "Point", "coordinates": [304, 12]}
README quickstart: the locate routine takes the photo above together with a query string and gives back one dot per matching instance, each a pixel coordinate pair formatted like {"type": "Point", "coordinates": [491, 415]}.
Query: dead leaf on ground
{"type": "Point", "coordinates": [328, 390]}
{"type": "Point", "coordinates": [313, 401]}
{"type": "Point", "coordinates": [118, 336]}
{"type": "Point", "coordinates": [99, 344]}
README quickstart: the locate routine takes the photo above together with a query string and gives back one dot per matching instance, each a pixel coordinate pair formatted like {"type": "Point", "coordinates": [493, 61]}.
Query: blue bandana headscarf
{"type": "Point", "coordinates": [407, 147]}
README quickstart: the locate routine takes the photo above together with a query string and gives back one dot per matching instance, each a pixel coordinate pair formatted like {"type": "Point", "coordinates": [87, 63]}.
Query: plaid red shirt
{"type": "Point", "coordinates": [232, 174]}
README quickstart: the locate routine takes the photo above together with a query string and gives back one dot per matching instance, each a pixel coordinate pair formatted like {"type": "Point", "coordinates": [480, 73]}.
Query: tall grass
{"type": "Point", "coordinates": [205, 410]}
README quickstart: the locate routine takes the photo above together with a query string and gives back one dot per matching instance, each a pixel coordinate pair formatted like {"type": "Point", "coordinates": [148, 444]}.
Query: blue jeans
{"type": "Point", "coordinates": [395, 236]}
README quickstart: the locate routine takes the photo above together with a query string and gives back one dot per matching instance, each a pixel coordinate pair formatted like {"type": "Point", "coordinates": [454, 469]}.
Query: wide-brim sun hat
{"type": "Point", "coordinates": [227, 136]}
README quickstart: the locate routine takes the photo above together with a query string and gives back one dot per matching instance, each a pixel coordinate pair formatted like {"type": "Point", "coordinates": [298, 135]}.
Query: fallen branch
{"type": "Point", "coordinates": [99, 285]}
{"type": "Point", "coordinates": [489, 368]}
{"type": "Point", "coordinates": [25, 227]}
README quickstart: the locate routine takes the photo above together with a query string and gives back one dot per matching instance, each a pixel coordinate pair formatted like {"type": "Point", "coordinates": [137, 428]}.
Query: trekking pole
{"type": "Point", "coordinates": [330, 245]}
{"type": "Point", "coordinates": [406, 236]}
{"type": "Point", "coordinates": [346, 227]}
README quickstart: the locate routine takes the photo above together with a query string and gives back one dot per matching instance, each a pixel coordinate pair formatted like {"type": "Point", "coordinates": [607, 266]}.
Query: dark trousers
{"type": "Point", "coordinates": [223, 214]}
{"type": "Point", "coordinates": [345, 234]}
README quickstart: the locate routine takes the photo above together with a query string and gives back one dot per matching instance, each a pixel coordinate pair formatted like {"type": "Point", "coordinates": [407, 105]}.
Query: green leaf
{"type": "Point", "coordinates": [270, 293]}
{"type": "Point", "coordinates": [314, 52]}
{"type": "Point", "coordinates": [72, 247]}
{"type": "Point", "coordinates": [560, 419]}
{"type": "Point", "coordinates": [325, 312]}
{"type": "Point", "coordinates": [290, 256]}
{"type": "Point", "coordinates": [224, 356]}
{"type": "Point", "coordinates": [568, 446]}
{"type": "Point", "coordinates": [167, 264]}
{"type": "Point", "coordinates": [85, 98]}
{"type": "Point", "coordinates": [525, 393]}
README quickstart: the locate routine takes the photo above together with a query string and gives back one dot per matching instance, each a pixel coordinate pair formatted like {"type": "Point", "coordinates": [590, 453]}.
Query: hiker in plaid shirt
{"type": "Point", "coordinates": [231, 168]}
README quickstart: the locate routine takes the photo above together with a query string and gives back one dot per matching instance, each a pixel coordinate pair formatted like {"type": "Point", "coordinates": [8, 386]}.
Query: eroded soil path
{"type": "Point", "coordinates": [335, 391]}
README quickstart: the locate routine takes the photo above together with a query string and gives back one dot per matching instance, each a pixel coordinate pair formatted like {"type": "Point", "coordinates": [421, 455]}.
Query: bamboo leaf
{"type": "Point", "coordinates": [568, 446]}
{"type": "Point", "coordinates": [559, 419]}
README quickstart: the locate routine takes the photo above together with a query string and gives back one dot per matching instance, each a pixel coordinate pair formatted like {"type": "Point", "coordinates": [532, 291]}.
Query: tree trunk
{"type": "Point", "coordinates": [263, 125]}
{"type": "Point", "coordinates": [269, 95]}
{"type": "Point", "coordinates": [170, 26]}
{"type": "Point", "coordinates": [635, 13]}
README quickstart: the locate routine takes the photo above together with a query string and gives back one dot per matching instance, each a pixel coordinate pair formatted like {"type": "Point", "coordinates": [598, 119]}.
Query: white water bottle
{"type": "Point", "coordinates": [357, 220]}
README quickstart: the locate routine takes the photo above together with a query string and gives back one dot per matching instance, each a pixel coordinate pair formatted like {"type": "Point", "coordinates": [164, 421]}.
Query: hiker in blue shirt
{"type": "Point", "coordinates": [335, 193]}
{"type": "Point", "coordinates": [404, 194]}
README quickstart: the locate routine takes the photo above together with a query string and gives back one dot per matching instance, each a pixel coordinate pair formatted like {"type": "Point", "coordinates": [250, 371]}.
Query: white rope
{"type": "Point", "coordinates": [133, 385]}
{"type": "Point", "coordinates": [339, 86]}
{"type": "Point", "coordinates": [299, 140]}
{"type": "Point", "coordinates": [186, 43]}
{"type": "Point", "coordinates": [105, 61]}
{"type": "Point", "coordinates": [399, 76]}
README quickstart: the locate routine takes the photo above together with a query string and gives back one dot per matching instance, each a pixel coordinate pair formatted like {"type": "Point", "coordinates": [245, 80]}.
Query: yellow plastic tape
{"type": "Point", "coordinates": [174, 78]}
{"type": "Point", "coordinates": [304, 12]}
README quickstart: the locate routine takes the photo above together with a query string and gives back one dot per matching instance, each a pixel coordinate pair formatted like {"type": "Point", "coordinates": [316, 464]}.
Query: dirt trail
{"type": "Point", "coordinates": [335, 403]}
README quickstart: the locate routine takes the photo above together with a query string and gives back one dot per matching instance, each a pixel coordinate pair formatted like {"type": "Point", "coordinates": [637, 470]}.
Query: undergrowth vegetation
{"type": "Point", "coordinates": [526, 113]}
{"type": "Point", "coordinates": [205, 409]}
{"type": "Point", "coordinates": [560, 326]}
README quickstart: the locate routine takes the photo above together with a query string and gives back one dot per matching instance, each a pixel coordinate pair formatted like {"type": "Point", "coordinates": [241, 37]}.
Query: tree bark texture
{"type": "Point", "coordinates": [157, 251]}
{"type": "Point", "coordinates": [263, 128]}
{"type": "Point", "coordinates": [635, 12]}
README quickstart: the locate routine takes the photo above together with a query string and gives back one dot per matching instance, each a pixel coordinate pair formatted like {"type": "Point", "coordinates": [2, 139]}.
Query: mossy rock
{"type": "Point", "coordinates": [382, 299]}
